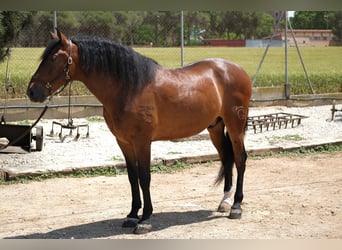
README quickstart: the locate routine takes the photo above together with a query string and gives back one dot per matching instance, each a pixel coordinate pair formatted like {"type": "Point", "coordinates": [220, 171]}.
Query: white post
{"type": "Point", "coordinates": [55, 22]}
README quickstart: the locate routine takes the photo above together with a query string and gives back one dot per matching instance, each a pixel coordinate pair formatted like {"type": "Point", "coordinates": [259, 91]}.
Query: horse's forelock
{"type": "Point", "coordinates": [51, 45]}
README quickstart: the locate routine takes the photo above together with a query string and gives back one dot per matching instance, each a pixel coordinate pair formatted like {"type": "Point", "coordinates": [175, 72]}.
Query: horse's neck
{"type": "Point", "coordinates": [104, 89]}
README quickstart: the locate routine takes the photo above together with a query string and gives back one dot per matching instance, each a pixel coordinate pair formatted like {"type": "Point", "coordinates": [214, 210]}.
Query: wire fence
{"type": "Point", "coordinates": [167, 37]}
{"type": "Point", "coordinates": [132, 28]}
{"type": "Point", "coordinates": [172, 39]}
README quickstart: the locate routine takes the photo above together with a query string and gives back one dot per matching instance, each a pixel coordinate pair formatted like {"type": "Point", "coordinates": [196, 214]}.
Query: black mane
{"type": "Point", "coordinates": [131, 69]}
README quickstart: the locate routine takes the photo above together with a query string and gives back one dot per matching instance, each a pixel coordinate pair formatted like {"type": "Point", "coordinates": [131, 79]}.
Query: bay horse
{"type": "Point", "coordinates": [144, 102]}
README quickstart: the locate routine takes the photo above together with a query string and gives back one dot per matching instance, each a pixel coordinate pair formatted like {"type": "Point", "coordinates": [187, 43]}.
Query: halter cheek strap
{"type": "Point", "coordinates": [69, 62]}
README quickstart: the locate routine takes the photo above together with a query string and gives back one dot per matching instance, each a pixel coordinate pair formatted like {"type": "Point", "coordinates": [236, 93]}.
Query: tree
{"type": "Point", "coordinates": [169, 27]}
{"type": "Point", "coordinates": [153, 21]}
{"type": "Point", "coordinates": [37, 33]}
{"type": "Point", "coordinates": [67, 22]}
{"type": "Point", "coordinates": [336, 23]}
{"type": "Point", "coordinates": [11, 23]}
{"type": "Point", "coordinates": [161, 28]}
{"type": "Point", "coordinates": [264, 26]}
{"type": "Point", "coordinates": [240, 25]}
{"type": "Point", "coordinates": [129, 22]}
{"type": "Point", "coordinates": [99, 23]}
{"type": "Point", "coordinates": [311, 20]}
{"type": "Point", "coordinates": [196, 23]}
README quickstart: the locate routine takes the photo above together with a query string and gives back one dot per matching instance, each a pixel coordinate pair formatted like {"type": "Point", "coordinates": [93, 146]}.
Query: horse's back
{"type": "Point", "coordinates": [230, 78]}
{"type": "Point", "coordinates": [189, 99]}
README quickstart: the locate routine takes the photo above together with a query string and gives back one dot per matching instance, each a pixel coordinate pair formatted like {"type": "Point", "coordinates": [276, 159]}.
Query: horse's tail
{"type": "Point", "coordinates": [221, 175]}
{"type": "Point", "coordinates": [226, 163]}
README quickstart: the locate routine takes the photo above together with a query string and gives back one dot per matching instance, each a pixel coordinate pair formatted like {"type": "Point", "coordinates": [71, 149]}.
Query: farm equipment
{"type": "Point", "coordinates": [69, 125]}
{"type": "Point", "coordinates": [273, 121]}
{"type": "Point", "coordinates": [334, 110]}
{"type": "Point", "coordinates": [14, 135]}
{"type": "Point", "coordinates": [13, 131]}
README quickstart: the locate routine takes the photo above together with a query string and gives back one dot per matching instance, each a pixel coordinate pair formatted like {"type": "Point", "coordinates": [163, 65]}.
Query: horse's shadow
{"type": "Point", "coordinates": [112, 227]}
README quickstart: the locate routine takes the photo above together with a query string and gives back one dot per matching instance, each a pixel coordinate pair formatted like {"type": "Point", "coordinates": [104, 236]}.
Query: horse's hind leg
{"type": "Point", "coordinates": [235, 123]}
{"type": "Point", "coordinates": [224, 147]}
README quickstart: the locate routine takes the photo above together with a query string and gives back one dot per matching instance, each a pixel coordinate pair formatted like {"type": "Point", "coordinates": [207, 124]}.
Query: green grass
{"type": "Point", "coordinates": [276, 139]}
{"type": "Point", "coordinates": [95, 119]}
{"type": "Point", "coordinates": [104, 171]}
{"type": "Point", "coordinates": [322, 149]}
{"type": "Point", "coordinates": [323, 65]}
{"type": "Point", "coordinates": [110, 171]}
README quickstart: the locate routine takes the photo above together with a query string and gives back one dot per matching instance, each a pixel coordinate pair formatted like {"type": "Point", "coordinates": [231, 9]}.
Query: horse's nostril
{"type": "Point", "coordinates": [32, 94]}
{"type": "Point", "coordinates": [36, 94]}
{"type": "Point", "coordinates": [29, 93]}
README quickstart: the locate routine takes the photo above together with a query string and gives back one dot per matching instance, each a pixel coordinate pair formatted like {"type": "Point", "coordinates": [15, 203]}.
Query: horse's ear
{"type": "Point", "coordinates": [53, 35]}
{"type": "Point", "coordinates": [62, 38]}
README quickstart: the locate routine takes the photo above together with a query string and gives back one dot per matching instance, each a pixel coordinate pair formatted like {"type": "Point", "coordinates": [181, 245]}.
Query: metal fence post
{"type": "Point", "coordinates": [182, 38]}
{"type": "Point", "coordinates": [54, 28]}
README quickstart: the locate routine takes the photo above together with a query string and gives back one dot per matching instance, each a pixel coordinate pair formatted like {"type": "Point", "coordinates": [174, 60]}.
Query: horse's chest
{"type": "Point", "coordinates": [128, 124]}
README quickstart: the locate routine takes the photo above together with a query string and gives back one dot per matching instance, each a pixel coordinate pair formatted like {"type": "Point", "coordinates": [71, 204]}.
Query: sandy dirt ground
{"type": "Point", "coordinates": [286, 197]}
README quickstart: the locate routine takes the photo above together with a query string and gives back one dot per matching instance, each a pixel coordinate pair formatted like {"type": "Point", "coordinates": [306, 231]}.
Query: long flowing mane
{"type": "Point", "coordinates": [102, 55]}
{"type": "Point", "coordinates": [131, 69]}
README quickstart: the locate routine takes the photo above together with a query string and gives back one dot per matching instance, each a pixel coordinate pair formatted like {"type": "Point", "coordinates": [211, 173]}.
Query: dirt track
{"type": "Point", "coordinates": [292, 197]}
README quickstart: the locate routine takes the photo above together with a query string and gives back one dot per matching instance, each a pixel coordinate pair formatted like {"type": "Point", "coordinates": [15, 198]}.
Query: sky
{"type": "Point", "coordinates": [290, 13]}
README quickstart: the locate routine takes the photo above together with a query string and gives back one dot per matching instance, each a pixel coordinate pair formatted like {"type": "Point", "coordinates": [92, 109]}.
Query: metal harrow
{"type": "Point", "coordinates": [69, 125]}
{"type": "Point", "coordinates": [334, 110]}
{"type": "Point", "coordinates": [273, 121]}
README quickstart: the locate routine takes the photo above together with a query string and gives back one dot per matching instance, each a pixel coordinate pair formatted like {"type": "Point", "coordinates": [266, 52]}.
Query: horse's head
{"type": "Point", "coordinates": [55, 69]}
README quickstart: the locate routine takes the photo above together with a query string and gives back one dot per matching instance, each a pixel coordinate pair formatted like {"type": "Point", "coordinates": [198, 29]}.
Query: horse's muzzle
{"type": "Point", "coordinates": [36, 93]}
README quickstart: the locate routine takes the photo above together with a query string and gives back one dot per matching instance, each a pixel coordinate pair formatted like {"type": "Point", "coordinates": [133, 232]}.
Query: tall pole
{"type": "Point", "coordinates": [301, 59]}
{"type": "Point", "coordinates": [182, 38]}
{"type": "Point", "coordinates": [287, 87]}
{"type": "Point", "coordinates": [54, 22]}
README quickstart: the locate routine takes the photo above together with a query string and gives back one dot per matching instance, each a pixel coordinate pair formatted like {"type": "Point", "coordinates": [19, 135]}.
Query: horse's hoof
{"type": "Point", "coordinates": [223, 207]}
{"type": "Point", "coordinates": [235, 213]}
{"type": "Point", "coordinates": [142, 228]}
{"type": "Point", "coordinates": [130, 222]}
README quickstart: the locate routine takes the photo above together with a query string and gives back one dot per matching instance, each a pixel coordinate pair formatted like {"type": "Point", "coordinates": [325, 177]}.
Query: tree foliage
{"type": "Point", "coordinates": [319, 20]}
{"type": "Point", "coordinates": [336, 23]}
{"type": "Point", "coordinates": [312, 20]}
{"type": "Point", "coordinates": [11, 23]}
{"type": "Point", "coordinates": [158, 28]}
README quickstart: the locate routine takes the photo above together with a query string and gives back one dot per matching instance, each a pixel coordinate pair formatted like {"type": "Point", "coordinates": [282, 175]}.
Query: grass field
{"type": "Point", "coordinates": [324, 65]}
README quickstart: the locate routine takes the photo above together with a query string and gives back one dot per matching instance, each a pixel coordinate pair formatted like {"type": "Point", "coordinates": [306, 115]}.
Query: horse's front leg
{"type": "Point", "coordinates": [133, 176]}
{"type": "Point", "coordinates": [144, 158]}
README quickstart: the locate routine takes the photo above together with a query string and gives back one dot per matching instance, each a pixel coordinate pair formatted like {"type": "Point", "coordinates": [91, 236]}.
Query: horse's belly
{"type": "Point", "coordinates": [182, 124]}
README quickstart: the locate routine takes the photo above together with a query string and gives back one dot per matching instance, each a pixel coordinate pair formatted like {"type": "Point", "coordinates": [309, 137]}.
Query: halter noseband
{"type": "Point", "coordinates": [48, 85]}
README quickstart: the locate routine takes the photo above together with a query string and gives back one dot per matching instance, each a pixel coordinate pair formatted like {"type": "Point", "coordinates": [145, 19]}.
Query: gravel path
{"type": "Point", "coordinates": [101, 148]}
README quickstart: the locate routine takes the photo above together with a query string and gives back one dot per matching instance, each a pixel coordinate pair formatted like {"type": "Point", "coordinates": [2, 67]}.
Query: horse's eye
{"type": "Point", "coordinates": [54, 57]}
